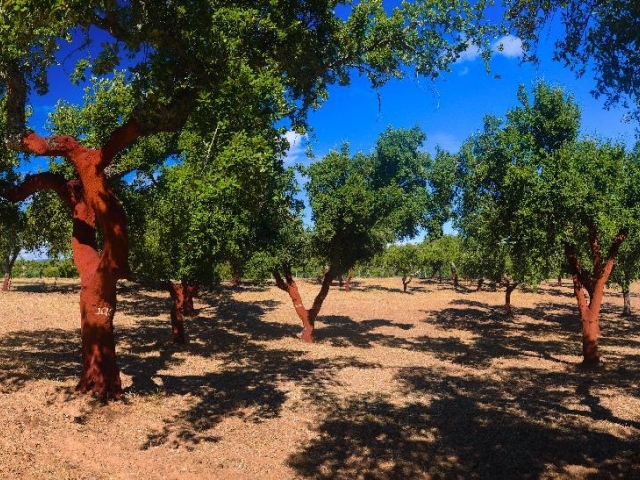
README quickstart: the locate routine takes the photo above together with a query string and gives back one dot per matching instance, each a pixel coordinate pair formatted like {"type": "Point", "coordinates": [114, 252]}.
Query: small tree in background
{"type": "Point", "coordinates": [360, 204]}
{"type": "Point", "coordinates": [403, 259]}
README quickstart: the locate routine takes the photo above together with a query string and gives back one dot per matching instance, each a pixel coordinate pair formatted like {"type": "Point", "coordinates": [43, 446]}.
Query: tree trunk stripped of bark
{"type": "Point", "coordinates": [405, 282]}
{"type": "Point", "coordinates": [309, 316]}
{"type": "Point", "coordinates": [592, 284]}
{"type": "Point", "coordinates": [507, 298]}
{"type": "Point", "coordinates": [177, 319]}
{"type": "Point", "coordinates": [182, 305]}
{"type": "Point", "coordinates": [91, 200]}
{"type": "Point", "coordinates": [190, 291]}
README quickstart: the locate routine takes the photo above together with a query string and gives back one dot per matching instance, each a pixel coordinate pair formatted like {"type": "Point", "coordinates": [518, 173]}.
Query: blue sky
{"type": "Point", "coordinates": [452, 108]}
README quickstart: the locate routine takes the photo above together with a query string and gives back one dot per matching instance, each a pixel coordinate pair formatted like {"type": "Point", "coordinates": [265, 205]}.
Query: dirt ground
{"type": "Point", "coordinates": [430, 384]}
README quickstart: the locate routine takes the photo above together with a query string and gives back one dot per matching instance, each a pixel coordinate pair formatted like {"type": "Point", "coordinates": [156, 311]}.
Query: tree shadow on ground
{"type": "Point", "coordinates": [413, 287]}
{"type": "Point", "coordinates": [52, 354]}
{"type": "Point", "coordinates": [523, 425]}
{"type": "Point", "coordinates": [342, 331]}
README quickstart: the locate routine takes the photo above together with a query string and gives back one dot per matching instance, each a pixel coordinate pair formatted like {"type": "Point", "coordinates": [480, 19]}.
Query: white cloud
{"type": "Point", "coordinates": [508, 46]}
{"type": "Point", "coordinates": [463, 72]}
{"type": "Point", "coordinates": [297, 147]}
{"type": "Point", "coordinates": [469, 55]}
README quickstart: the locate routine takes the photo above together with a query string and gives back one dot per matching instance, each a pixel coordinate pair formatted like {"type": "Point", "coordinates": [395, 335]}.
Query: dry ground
{"type": "Point", "coordinates": [430, 384]}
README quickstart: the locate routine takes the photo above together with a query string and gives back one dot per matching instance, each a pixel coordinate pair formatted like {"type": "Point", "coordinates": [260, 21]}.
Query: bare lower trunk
{"type": "Point", "coordinates": [593, 283]}
{"type": "Point", "coordinates": [177, 319]}
{"type": "Point", "coordinates": [590, 335]}
{"type": "Point", "coordinates": [405, 283]}
{"type": "Point", "coordinates": [309, 316]}
{"type": "Point", "coordinates": [190, 291]}
{"type": "Point", "coordinates": [559, 280]}
{"type": "Point", "coordinates": [480, 283]}
{"type": "Point", "coordinates": [507, 298]}
{"type": "Point", "coordinates": [8, 270]}
{"type": "Point", "coordinates": [347, 283]}
{"type": "Point", "coordinates": [626, 298]}
{"type": "Point", "coordinates": [100, 372]}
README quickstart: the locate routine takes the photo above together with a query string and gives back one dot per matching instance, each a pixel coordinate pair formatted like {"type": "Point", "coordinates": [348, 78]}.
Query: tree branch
{"type": "Point", "coordinates": [41, 181]}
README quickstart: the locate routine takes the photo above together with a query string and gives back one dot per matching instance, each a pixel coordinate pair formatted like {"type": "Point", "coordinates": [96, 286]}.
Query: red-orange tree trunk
{"type": "Point", "coordinates": [92, 201]}
{"type": "Point", "coordinates": [182, 305]}
{"type": "Point", "coordinates": [507, 298]}
{"type": "Point", "coordinates": [177, 319]}
{"type": "Point", "coordinates": [308, 316]}
{"type": "Point", "coordinates": [594, 284]}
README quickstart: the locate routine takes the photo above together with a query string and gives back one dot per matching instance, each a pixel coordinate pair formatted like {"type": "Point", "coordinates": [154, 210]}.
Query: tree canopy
{"type": "Point", "coordinates": [601, 35]}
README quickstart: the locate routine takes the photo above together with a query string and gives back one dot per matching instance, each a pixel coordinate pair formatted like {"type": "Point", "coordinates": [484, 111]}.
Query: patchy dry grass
{"type": "Point", "coordinates": [430, 384]}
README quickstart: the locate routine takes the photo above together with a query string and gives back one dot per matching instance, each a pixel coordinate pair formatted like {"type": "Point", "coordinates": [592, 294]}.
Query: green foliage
{"type": "Point", "coordinates": [359, 204]}
{"type": "Point", "coordinates": [532, 186]}
{"type": "Point", "coordinates": [440, 255]}
{"type": "Point", "coordinates": [602, 36]}
{"type": "Point", "coordinates": [61, 268]}
{"type": "Point", "coordinates": [192, 55]}
{"type": "Point", "coordinates": [403, 259]}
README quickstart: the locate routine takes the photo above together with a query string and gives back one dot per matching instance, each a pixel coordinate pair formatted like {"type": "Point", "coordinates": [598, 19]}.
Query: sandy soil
{"type": "Point", "coordinates": [430, 384]}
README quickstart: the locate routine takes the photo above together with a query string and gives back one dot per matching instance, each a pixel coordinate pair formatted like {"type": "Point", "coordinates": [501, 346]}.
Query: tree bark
{"type": "Point", "coordinates": [8, 270]}
{"type": "Point", "coordinates": [177, 319]}
{"type": "Point", "coordinates": [347, 283]}
{"type": "Point", "coordinates": [190, 291]}
{"type": "Point", "coordinates": [507, 298]}
{"type": "Point", "coordinates": [308, 316]}
{"type": "Point", "coordinates": [405, 282]}
{"type": "Point", "coordinates": [91, 200]}
{"type": "Point", "coordinates": [592, 283]}
{"type": "Point", "coordinates": [626, 298]}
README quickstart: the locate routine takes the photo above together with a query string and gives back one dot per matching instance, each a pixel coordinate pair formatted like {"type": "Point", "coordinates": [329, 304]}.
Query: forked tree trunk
{"type": "Point", "coordinates": [308, 316]}
{"type": "Point", "coordinates": [480, 283]}
{"type": "Point", "coordinates": [182, 305]}
{"type": "Point", "coordinates": [405, 282]}
{"type": "Point", "coordinates": [91, 200]}
{"type": "Point", "coordinates": [507, 298]}
{"type": "Point", "coordinates": [626, 298]}
{"type": "Point", "coordinates": [593, 284]}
